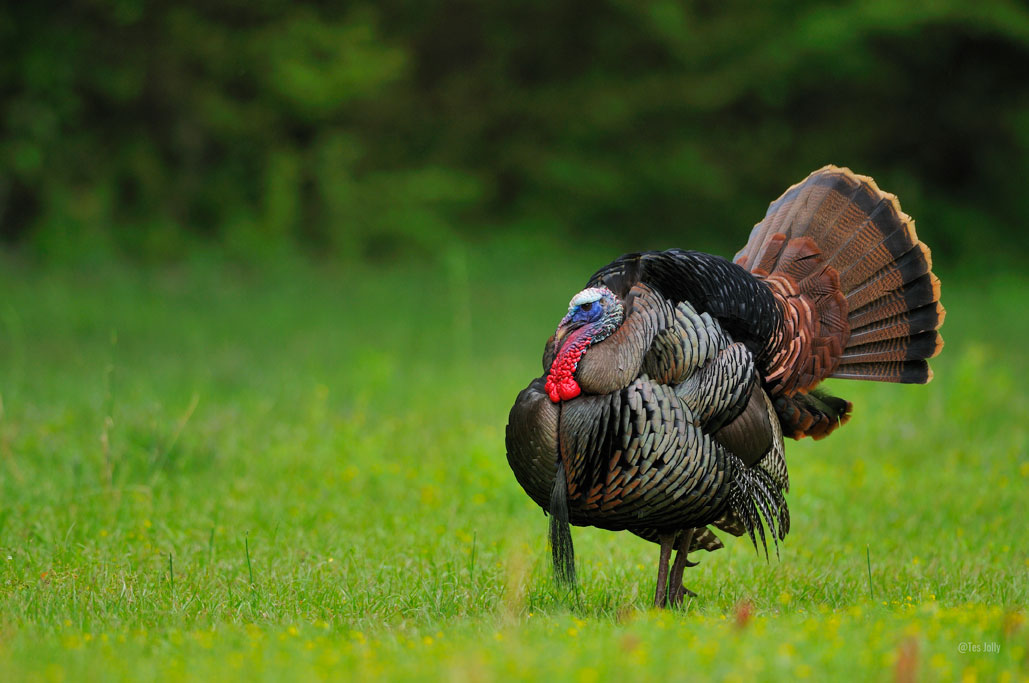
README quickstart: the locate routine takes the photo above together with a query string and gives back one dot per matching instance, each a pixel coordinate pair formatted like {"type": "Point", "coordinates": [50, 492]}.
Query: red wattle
{"type": "Point", "coordinates": [563, 389]}
{"type": "Point", "coordinates": [568, 390]}
{"type": "Point", "coordinates": [561, 384]}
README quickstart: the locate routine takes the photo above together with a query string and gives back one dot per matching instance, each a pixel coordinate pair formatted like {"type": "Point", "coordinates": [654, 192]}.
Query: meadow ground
{"type": "Point", "coordinates": [220, 473]}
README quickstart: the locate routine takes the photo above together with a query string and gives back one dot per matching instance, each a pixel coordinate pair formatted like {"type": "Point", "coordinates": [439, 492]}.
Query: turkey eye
{"type": "Point", "coordinates": [586, 308]}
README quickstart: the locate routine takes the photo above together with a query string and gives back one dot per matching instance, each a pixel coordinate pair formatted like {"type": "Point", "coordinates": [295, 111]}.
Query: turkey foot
{"type": "Point", "coordinates": [676, 591]}
{"type": "Point", "coordinates": [661, 595]}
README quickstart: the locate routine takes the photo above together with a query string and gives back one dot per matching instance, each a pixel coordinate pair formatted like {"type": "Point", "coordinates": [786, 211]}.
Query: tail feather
{"type": "Point", "coordinates": [859, 297]}
{"type": "Point", "coordinates": [886, 235]}
{"type": "Point", "coordinates": [904, 372]}
{"type": "Point", "coordinates": [867, 230]}
{"type": "Point", "coordinates": [920, 346]}
{"type": "Point", "coordinates": [922, 292]}
{"type": "Point", "coordinates": [900, 326]}
{"type": "Point", "coordinates": [818, 202]}
{"type": "Point", "coordinates": [908, 268]}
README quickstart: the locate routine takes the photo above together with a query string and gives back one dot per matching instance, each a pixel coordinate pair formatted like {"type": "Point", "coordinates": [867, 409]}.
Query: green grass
{"type": "Point", "coordinates": [212, 472]}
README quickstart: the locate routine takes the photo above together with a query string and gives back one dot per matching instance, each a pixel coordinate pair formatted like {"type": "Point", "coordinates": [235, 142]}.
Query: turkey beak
{"type": "Point", "coordinates": [559, 337]}
{"type": "Point", "coordinates": [563, 331]}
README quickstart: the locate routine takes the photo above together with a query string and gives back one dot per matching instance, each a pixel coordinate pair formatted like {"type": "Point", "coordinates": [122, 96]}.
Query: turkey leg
{"type": "Point", "coordinates": [661, 596]}
{"type": "Point", "coordinates": [677, 591]}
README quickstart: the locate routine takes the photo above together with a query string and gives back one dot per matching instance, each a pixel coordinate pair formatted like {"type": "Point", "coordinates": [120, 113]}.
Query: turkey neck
{"type": "Point", "coordinates": [610, 365]}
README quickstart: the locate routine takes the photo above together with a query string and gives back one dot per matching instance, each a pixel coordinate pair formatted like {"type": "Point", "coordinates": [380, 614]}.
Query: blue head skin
{"type": "Point", "coordinates": [597, 308]}
{"type": "Point", "coordinates": [593, 314]}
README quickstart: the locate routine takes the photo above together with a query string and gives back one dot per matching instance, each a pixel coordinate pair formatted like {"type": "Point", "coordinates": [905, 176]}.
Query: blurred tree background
{"type": "Point", "coordinates": [381, 130]}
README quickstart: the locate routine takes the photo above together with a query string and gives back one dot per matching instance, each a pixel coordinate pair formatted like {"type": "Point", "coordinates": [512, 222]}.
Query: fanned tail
{"type": "Point", "coordinates": [859, 297]}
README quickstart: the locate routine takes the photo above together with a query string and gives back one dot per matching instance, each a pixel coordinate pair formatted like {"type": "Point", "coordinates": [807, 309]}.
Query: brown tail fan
{"type": "Point", "coordinates": [859, 295]}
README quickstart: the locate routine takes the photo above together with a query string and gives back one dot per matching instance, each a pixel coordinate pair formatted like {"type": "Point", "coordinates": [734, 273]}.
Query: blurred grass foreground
{"type": "Point", "coordinates": [208, 473]}
{"type": "Point", "coordinates": [273, 274]}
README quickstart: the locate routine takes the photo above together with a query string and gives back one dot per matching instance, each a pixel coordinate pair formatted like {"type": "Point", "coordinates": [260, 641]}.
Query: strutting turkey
{"type": "Point", "coordinates": [669, 384]}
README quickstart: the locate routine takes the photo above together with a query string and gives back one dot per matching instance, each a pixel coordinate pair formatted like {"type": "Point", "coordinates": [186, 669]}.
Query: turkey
{"type": "Point", "coordinates": [673, 377]}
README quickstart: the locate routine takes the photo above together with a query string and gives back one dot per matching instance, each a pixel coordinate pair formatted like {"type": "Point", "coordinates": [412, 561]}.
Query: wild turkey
{"type": "Point", "coordinates": [670, 382]}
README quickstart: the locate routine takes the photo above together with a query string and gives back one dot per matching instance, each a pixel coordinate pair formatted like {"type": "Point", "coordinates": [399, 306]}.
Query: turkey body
{"type": "Point", "coordinates": [670, 382]}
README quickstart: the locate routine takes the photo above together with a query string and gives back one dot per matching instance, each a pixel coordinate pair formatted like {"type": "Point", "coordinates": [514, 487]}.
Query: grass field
{"type": "Point", "coordinates": [213, 472]}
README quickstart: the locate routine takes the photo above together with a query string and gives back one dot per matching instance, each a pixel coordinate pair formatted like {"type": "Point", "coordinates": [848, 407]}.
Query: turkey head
{"type": "Point", "coordinates": [600, 343]}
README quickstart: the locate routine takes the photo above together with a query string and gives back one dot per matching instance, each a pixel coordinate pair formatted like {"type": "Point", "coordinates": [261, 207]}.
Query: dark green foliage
{"type": "Point", "coordinates": [387, 128]}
